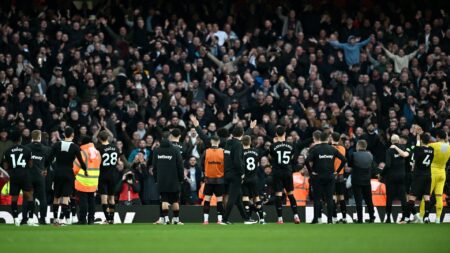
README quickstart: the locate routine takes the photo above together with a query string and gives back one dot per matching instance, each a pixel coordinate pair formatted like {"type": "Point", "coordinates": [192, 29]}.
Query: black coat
{"type": "Point", "coordinates": [168, 166]}
{"type": "Point", "coordinates": [234, 159]}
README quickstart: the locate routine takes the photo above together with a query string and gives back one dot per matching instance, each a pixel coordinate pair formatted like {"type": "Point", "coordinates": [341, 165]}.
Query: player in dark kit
{"type": "Point", "coordinates": [40, 154]}
{"type": "Point", "coordinates": [281, 153]}
{"type": "Point", "coordinates": [17, 161]}
{"type": "Point", "coordinates": [394, 174]}
{"type": "Point", "coordinates": [64, 153]}
{"type": "Point", "coordinates": [250, 184]}
{"type": "Point", "coordinates": [323, 155]}
{"type": "Point", "coordinates": [106, 183]}
{"type": "Point", "coordinates": [174, 139]}
{"type": "Point", "coordinates": [168, 167]}
{"type": "Point", "coordinates": [421, 179]}
{"type": "Point", "coordinates": [234, 173]}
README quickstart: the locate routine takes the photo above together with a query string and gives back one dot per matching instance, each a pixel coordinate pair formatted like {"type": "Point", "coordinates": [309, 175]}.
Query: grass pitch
{"type": "Point", "coordinates": [236, 238]}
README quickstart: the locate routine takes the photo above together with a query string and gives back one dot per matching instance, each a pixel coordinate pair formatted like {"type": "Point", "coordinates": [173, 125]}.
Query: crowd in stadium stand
{"type": "Point", "coordinates": [365, 70]}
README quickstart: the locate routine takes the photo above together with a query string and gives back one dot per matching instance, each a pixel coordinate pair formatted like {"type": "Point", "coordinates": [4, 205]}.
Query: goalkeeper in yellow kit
{"type": "Point", "coordinates": [441, 155]}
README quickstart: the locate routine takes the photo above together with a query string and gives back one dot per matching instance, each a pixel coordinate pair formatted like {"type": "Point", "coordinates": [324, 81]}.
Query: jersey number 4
{"type": "Point", "coordinates": [109, 159]}
{"type": "Point", "coordinates": [17, 162]}
{"type": "Point", "coordinates": [284, 157]}
{"type": "Point", "coordinates": [427, 161]}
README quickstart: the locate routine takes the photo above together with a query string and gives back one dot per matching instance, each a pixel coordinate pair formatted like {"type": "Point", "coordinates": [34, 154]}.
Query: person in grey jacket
{"type": "Point", "coordinates": [289, 22]}
{"type": "Point", "coordinates": [361, 163]}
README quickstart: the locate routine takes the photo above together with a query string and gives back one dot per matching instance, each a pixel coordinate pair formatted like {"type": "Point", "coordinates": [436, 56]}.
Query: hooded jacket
{"type": "Point", "coordinates": [168, 167]}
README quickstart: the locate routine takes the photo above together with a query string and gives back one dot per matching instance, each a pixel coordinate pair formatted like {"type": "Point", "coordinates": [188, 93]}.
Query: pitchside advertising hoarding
{"type": "Point", "coordinates": [194, 214]}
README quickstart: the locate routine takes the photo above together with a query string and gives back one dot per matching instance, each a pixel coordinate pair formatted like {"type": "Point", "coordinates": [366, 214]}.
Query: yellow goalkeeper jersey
{"type": "Point", "coordinates": [441, 155]}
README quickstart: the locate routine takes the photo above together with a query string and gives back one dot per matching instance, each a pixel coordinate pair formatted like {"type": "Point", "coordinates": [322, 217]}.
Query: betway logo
{"type": "Point", "coordinates": [165, 157]}
{"type": "Point", "coordinates": [326, 157]}
{"type": "Point", "coordinates": [35, 157]}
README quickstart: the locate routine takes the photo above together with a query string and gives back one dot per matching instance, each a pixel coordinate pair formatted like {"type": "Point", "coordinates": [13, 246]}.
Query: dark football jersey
{"type": "Point", "coordinates": [17, 157]}
{"type": "Point", "coordinates": [281, 156]}
{"type": "Point", "coordinates": [251, 160]}
{"type": "Point", "coordinates": [422, 158]}
{"type": "Point", "coordinates": [110, 156]}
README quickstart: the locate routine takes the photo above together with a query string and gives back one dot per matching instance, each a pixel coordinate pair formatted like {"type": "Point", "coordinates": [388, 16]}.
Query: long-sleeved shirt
{"type": "Point", "coordinates": [322, 156]}
{"type": "Point", "coordinates": [234, 159]}
{"type": "Point", "coordinates": [400, 62]}
{"type": "Point", "coordinates": [351, 52]}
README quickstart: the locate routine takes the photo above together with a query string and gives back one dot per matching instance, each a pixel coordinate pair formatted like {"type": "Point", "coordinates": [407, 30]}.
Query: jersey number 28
{"type": "Point", "coordinates": [109, 159]}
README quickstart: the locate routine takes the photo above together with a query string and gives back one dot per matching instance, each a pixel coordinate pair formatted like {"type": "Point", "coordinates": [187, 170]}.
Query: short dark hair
{"type": "Point", "coordinates": [103, 135]}
{"type": "Point", "coordinates": [15, 135]}
{"type": "Point", "coordinates": [316, 135]}
{"type": "Point", "coordinates": [223, 133]}
{"type": "Point", "coordinates": [324, 136]}
{"type": "Point", "coordinates": [441, 134]}
{"type": "Point", "coordinates": [68, 132]}
{"type": "Point", "coordinates": [425, 138]}
{"type": "Point", "coordinates": [215, 138]}
{"type": "Point", "coordinates": [280, 131]}
{"type": "Point", "coordinates": [246, 140]}
{"type": "Point", "coordinates": [335, 136]}
{"type": "Point", "coordinates": [238, 131]}
{"type": "Point", "coordinates": [175, 132]}
{"type": "Point", "coordinates": [85, 140]}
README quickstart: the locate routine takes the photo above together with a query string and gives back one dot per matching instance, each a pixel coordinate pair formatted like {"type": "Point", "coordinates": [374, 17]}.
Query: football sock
{"type": "Point", "coordinates": [293, 203]}
{"type": "Point", "coordinates": [112, 208]}
{"type": "Point", "coordinates": [176, 215]}
{"type": "Point", "coordinates": [439, 206]}
{"type": "Point", "coordinates": [73, 207]}
{"type": "Point", "coordinates": [30, 209]}
{"type": "Point", "coordinates": [165, 213]}
{"type": "Point", "coordinates": [55, 208]}
{"type": "Point", "coordinates": [207, 206]}
{"type": "Point", "coordinates": [278, 206]}
{"type": "Point", "coordinates": [343, 208]}
{"type": "Point", "coordinates": [219, 210]}
{"type": "Point", "coordinates": [247, 208]}
{"type": "Point", "coordinates": [427, 209]}
{"type": "Point", "coordinates": [260, 210]}
{"type": "Point", "coordinates": [66, 211]}
{"type": "Point", "coordinates": [14, 209]}
{"type": "Point", "coordinates": [105, 211]}
{"type": "Point", "coordinates": [410, 209]}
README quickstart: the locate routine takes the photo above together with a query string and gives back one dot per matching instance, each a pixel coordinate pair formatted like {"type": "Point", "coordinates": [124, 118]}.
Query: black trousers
{"type": "Point", "coordinates": [323, 189]}
{"type": "Point", "coordinates": [395, 189]}
{"type": "Point", "coordinates": [87, 207]}
{"type": "Point", "coordinates": [234, 195]}
{"type": "Point", "coordinates": [40, 193]}
{"type": "Point", "coordinates": [363, 192]}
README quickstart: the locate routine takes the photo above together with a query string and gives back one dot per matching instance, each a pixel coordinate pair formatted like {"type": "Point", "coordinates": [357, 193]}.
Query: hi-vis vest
{"type": "Point", "coordinates": [214, 163]}
{"type": "Point", "coordinates": [92, 159]}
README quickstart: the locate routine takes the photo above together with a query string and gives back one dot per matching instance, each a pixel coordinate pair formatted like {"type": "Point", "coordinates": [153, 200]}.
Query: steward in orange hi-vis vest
{"type": "Point", "coordinates": [92, 159]}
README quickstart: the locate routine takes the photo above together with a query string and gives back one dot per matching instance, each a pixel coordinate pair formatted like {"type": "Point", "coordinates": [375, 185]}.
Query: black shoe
{"type": "Point", "coordinates": [24, 222]}
{"type": "Point", "coordinates": [42, 221]}
{"type": "Point", "coordinates": [359, 222]}
{"type": "Point", "coordinates": [388, 221]}
{"type": "Point", "coordinates": [314, 221]}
